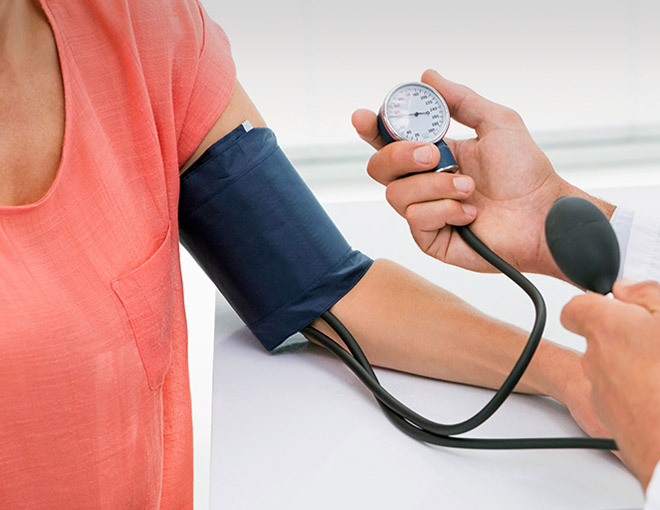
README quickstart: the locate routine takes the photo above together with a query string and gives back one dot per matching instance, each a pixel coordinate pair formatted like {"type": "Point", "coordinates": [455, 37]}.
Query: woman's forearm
{"type": "Point", "coordinates": [406, 323]}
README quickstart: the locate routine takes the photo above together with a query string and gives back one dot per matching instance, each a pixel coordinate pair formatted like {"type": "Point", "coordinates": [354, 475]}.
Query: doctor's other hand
{"type": "Point", "coordinates": [622, 362]}
{"type": "Point", "coordinates": [504, 189]}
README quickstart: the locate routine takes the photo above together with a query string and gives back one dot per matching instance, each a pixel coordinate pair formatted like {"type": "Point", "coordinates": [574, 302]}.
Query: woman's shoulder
{"type": "Point", "coordinates": [161, 42]}
{"type": "Point", "coordinates": [153, 25]}
{"type": "Point", "coordinates": [161, 27]}
{"type": "Point", "coordinates": [167, 52]}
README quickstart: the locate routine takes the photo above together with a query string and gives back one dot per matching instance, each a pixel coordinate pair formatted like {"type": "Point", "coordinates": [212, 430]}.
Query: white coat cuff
{"type": "Point", "coordinates": [653, 491]}
{"type": "Point", "coordinates": [639, 242]}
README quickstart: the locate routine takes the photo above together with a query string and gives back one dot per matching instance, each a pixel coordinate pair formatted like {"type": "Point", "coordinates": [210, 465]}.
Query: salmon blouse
{"type": "Point", "coordinates": [94, 396]}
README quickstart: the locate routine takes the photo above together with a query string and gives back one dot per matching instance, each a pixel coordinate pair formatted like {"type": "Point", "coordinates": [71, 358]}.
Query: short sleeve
{"type": "Point", "coordinates": [201, 104]}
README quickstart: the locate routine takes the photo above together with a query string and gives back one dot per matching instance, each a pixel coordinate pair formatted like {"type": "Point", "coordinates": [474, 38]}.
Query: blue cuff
{"type": "Point", "coordinates": [259, 233]}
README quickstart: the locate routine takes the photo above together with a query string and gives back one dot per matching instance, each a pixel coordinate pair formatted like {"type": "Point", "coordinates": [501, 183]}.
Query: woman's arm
{"type": "Point", "coordinates": [406, 323]}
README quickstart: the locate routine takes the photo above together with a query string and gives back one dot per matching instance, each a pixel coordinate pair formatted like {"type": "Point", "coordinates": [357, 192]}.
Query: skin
{"type": "Point", "coordinates": [506, 187]}
{"type": "Point", "coordinates": [31, 104]}
{"type": "Point", "coordinates": [516, 184]}
{"type": "Point", "coordinates": [429, 335]}
{"type": "Point", "coordinates": [623, 363]}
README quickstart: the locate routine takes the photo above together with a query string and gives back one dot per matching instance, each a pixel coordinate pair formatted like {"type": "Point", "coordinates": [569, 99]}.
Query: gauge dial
{"type": "Point", "coordinates": [414, 111]}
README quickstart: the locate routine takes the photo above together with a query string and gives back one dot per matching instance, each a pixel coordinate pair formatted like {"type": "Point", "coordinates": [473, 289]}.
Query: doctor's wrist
{"type": "Point", "coordinates": [605, 207]}
{"type": "Point", "coordinates": [638, 438]}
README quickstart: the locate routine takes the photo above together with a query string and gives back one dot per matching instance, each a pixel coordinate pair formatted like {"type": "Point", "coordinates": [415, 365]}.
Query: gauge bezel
{"type": "Point", "coordinates": [386, 121]}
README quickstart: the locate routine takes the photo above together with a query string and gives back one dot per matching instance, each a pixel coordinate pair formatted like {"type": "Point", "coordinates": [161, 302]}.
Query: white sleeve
{"type": "Point", "coordinates": [639, 242]}
{"type": "Point", "coordinates": [653, 491]}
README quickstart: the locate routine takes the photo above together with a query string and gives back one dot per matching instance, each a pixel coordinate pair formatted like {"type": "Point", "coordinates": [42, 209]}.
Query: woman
{"type": "Point", "coordinates": [103, 105]}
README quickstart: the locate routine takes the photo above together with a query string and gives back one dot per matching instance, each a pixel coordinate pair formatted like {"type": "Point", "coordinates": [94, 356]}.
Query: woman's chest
{"type": "Point", "coordinates": [32, 122]}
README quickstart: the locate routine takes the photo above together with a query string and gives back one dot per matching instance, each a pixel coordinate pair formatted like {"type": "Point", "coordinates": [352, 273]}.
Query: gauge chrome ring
{"type": "Point", "coordinates": [386, 121]}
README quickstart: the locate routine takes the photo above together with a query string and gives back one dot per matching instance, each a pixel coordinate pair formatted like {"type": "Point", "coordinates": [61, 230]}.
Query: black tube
{"type": "Point", "coordinates": [428, 431]}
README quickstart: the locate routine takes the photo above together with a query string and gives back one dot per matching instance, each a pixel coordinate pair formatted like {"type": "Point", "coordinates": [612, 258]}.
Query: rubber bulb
{"type": "Point", "coordinates": [583, 244]}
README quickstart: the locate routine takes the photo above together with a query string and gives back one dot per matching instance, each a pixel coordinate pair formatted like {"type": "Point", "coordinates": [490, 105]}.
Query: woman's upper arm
{"type": "Point", "coordinates": [239, 109]}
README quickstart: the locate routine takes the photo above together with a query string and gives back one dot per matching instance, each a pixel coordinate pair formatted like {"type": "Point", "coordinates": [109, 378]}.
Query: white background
{"type": "Point", "coordinates": [576, 64]}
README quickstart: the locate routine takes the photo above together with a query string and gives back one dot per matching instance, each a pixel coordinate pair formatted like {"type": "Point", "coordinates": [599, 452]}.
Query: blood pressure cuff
{"type": "Point", "coordinates": [258, 232]}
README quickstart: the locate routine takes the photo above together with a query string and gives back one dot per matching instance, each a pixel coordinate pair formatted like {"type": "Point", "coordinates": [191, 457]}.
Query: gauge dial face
{"type": "Point", "coordinates": [415, 111]}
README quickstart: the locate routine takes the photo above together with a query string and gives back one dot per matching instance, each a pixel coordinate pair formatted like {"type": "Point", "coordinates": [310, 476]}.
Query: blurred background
{"type": "Point", "coordinates": [584, 75]}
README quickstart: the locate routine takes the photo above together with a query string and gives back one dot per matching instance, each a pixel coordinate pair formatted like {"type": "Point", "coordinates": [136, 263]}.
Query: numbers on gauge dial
{"type": "Point", "coordinates": [417, 113]}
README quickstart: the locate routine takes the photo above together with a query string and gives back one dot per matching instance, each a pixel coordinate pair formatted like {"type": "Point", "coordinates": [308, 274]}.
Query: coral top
{"type": "Point", "coordinates": [94, 396]}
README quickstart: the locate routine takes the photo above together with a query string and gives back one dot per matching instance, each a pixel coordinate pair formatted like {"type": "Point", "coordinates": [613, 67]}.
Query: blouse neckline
{"type": "Point", "coordinates": [64, 71]}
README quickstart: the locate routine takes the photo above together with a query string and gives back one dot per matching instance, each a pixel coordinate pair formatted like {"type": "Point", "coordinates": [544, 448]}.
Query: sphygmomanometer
{"type": "Point", "coordinates": [255, 228]}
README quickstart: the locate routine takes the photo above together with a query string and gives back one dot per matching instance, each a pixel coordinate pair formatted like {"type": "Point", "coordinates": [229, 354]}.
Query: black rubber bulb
{"type": "Point", "coordinates": [583, 244]}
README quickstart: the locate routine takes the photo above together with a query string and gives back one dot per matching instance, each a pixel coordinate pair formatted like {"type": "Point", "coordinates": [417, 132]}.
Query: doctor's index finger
{"type": "Point", "coordinates": [469, 108]}
{"type": "Point", "coordinates": [595, 316]}
{"type": "Point", "coordinates": [583, 313]}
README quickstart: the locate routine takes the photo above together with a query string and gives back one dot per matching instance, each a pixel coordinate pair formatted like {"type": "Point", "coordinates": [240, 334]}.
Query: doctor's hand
{"type": "Point", "coordinates": [505, 187]}
{"type": "Point", "coordinates": [623, 364]}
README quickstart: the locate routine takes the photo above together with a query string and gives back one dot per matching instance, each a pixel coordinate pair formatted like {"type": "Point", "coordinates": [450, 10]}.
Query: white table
{"type": "Point", "coordinates": [296, 430]}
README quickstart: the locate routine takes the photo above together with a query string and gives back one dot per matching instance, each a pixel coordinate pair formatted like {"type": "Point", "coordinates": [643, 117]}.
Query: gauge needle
{"type": "Point", "coordinates": [416, 114]}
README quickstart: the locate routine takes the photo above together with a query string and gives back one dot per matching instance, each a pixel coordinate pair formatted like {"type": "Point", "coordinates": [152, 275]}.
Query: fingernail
{"type": "Point", "coordinates": [469, 209]}
{"type": "Point", "coordinates": [627, 282]}
{"type": "Point", "coordinates": [423, 155]}
{"type": "Point", "coordinates": [462, 184]}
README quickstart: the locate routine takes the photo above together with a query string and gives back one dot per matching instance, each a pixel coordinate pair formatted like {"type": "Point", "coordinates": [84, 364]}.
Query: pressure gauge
{"type": "Point", "coordinates": [417, 112]}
